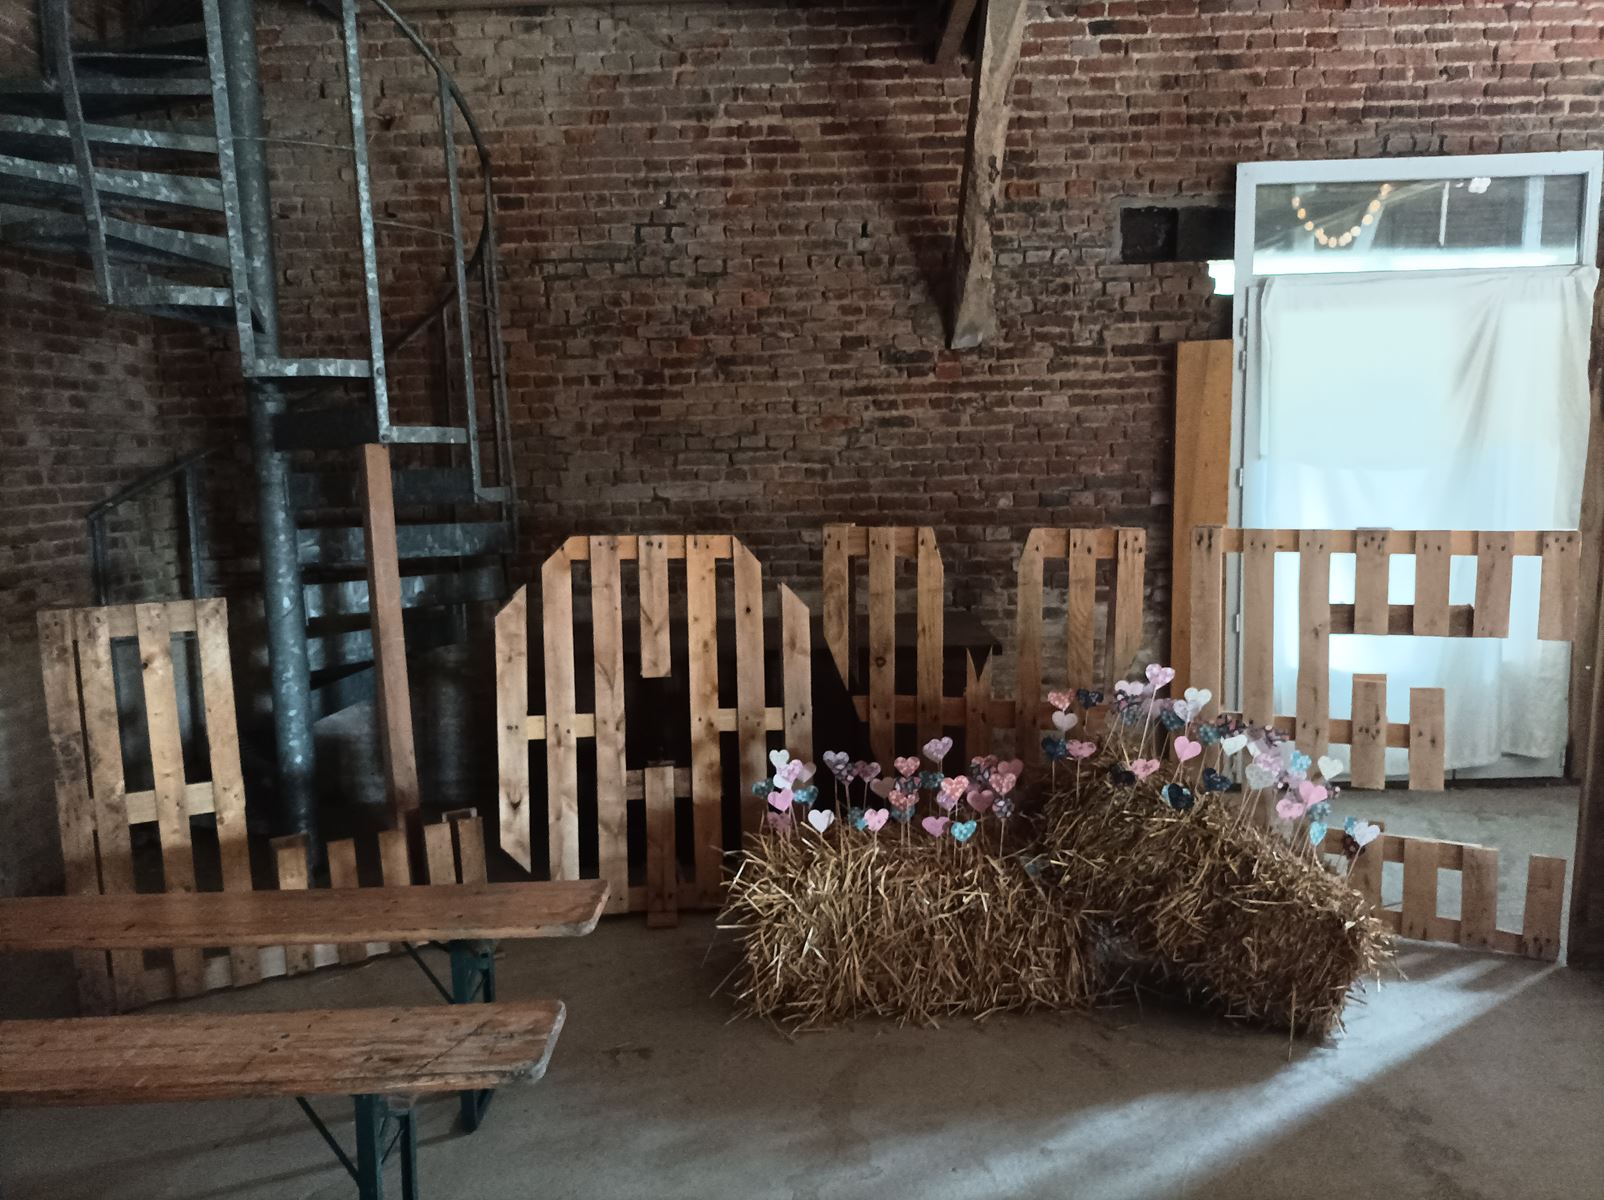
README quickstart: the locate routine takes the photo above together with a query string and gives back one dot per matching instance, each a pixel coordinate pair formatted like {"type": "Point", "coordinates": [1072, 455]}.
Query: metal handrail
{"type": "Point", "coordinates": [187, 466]}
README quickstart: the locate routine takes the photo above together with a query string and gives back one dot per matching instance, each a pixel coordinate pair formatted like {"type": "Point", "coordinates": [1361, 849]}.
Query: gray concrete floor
{"type": "Point", "coordinates": [1472, 1077]}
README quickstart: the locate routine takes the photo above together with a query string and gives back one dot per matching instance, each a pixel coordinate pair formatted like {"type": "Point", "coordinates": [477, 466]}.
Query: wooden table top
{"type": "Point", "coordinates": [217, 1056]}
{"type": "Point", "coordinates": [488, 911]}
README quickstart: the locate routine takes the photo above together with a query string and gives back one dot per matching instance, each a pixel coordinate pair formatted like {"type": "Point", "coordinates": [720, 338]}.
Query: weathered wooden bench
{"type": "Point", "coordinates": [382, 1057]}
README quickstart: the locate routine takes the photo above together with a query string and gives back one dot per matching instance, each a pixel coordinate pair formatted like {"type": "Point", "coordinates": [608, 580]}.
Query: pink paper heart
{"type": "Point", "coordinates": [881, 787]}
{"type": "Point", "coordinates": [1060, 700]}
{"type": "Point", "coordinates": [1143, 767]}
{"type": "Point", "coordinates": [906, 766]}
{"type": "Point", "coordinates": [1003, 782]}
{"type": "Point", "coordinates": [902, 801]}
{"type": "Point", "coordinates": [1186, 749]}
{"type": "Point", "coordinates": [875, 819]}
{"type": "Point", "coordinates": [1158, 676]}
{"type": "Point", "coordinates": [1311, 793]}
{"type": "Point", "coordinates": [955, 786]}
{"type": "Point", "coordinates": [779, 822]}
{"type": "Point", "coordinates": [1010, 766]}
{"type": "Point", "coordinates": [781, 799]}
{"type": "Point", "coordinates": [937, 749]}
{"type": "Point", "coordinates": [934, 826]}
{"type": "Point", "coordinates": [791, 772]}
{"type": "Point", "coordinates": [868, 771]}
{"type": "Point", "coordinates": [1081, 749]}
{"type": "Point", "coordinates": [980, 800]}
{"type": "Point", "coordinates": [1289, 808]}
{"type": "Point", "coordinates": [804, 772]}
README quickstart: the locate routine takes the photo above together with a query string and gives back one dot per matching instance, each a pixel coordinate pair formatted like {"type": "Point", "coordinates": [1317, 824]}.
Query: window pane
{"type": "Point", "coordinates": [1417, 225]}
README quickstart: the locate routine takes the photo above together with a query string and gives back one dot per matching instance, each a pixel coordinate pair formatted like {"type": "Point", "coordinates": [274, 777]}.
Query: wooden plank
{"type": "Point", "coordinates": [1427, 747]}
{"type": "Point", "coordinates": [469, 833]}
{"type": "Point", "coordinates": [167, 771]}
{"type": "Point", "coordinates": [1367, 759]}
{"type": "Point", "coordinates": [395, 859]}
{"type": "Point", "coordinates": [750, 696]}
{"type": "Point", "coordinates": [882, 643]}
{"type": "Point", "coordinates": [1419, 887]}
{"type": "Point", "coordinates": [930, 639]}
{"type": "Point", "coordinates": [228, 780]}
{"type": "Point", "coordinates": [1080, 607]}
{"type": "Point", "coordinates": [562, 752]}
{"type": "Point", "coordinates": [954, 27]}
{"type": "Point", "coordinates": [1202, 474]}
{"type": "Point", "coordinates": [1460, 542]}
{"type": "Point", "coordinates": [393, 695]}
{"type": "Point", "coordinates": [1370, 581]}
{"type": "Point", "coordinates": [796, 667]}
{"type": "Point", "coordinates": [662, 865]}
{"type": "Point", "coordinates": [1432, 559]}
{"type": "Point", "coordinates": [1494, 578]}
{"type": "Point", "coordinates": [75, 814]}
{"type": "Point", "coordinates": [656, 641]}
{"type": "Point", "coordinates": [1314, 642]}
{"type": "Point", "coordinates": [1125, 603]}
{"type": "Point", "coordinates": [607, 632]}
{"type": "Point", "coordinates": [1207, 607]}
{"type": "Point", "coordinates": [1028, 638]}
{"type": "Point", "coordinates": [289, 857]}
{"type": "Point", "coordinates": [512, 735]}
{"type": "Point", "coordinates": [1258, 628]}
{"type": "Point", "coordinates": [103, 742]}
{"type": "Point", "coordinates": [1478, 897]}
{"type": "Point", "coordinates": [977, 709]}
{"type": "Point", "coordinates": [1558, 593]}
{"type": "Point", "coordinates": [1545, 901]}
{"type": "Point", "coordinates": [439, 854]}
{"type": "Point", "coordinates": [317, 1052]}
{"type": "Point", "coordinates": [838, 600]}
{"type": "Point", "coordinates": [1001, 31]}
{"type": "Point", "coordinates": [342, 874]}
{"type": "Point", "coordinates": [707, 772]}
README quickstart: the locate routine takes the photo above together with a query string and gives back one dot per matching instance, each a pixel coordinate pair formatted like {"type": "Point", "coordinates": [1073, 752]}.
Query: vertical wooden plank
{"type": "Point", "coordinates": [930, 643]}
{"type": "Point", "coordinates": [1314, 640]}
{"type": "Point", "coordinates": [562, 751]}
{"type": "Point", "coordinates": [1478, 897]}
{"type": "Point", "coordinates": [1367, 759]}
{"type": "Point", "coordinates": [796, 666]}
{"type": "Point", "coordinates": [1431, 583]}
{"type": "Point", "coordinates": [1370, 581]}
{"type": "Point", "coordinates": [750, 691]}
{"type": "Point", "coordinates": [289, 856]}
{"type": "Point", "coordinates": [707, 774]}
{"type": "Point", "coordinates": [103, 741]}
{"type": "Point", "coordinates": [468, 831]}
{"type": "Point", "coordinates": [1202, 474]}
{"type": "Point", "coordinates": [1558, 591]}
{"type": "Point", "coordinates": [1258, 627]}
{"type": "Point", "coordinates": [167, 769]}
{"type": "Point", "coordinates": [439, 854]}
{"type": "Point", "coordinates": [656, 644]}
{"type": "Point", "coordinates": [75, 813]}
{"type": "Point", "coordinates": [838, 600]}
{"type": "Point", "coordinates": [977, 709]}
{"type": "Point", "coordinates": [1125, 605]}
{"type": "Point", "coordinates": [1080, 606]}
{"type": "Point", "coordinates": [882, 642]}
{"type": "Point", "coordinates": [662, 866]}
{"type": "Point", "coordinates": [512, 726]}
{"type": "Point", "coordinates": [1027, 669]}
{"type": "Point", "coordinates": [1208, 623]}
{"type": "Point", "coordinates": [228, 781]}
{"type": "Point", "coordinates": [1419, 887]}
{"type": "Point", "coordinates": [1545, 900]}
{"type": "Point", "coordinates": [1427, 750]}
{"type": "Point", "coordinates": [395, 869]}
{"type": "Point", "coordinates": [607, 630]}
{"type": "Point", "coordinates": [342, 874]}
{"type": "Point", "coordinates": [393, 698]}
{"type": "Point", "coordinates": [1494, 577]}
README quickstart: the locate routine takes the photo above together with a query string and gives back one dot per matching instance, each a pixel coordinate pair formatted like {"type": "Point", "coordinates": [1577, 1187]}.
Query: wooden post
{"type": "Point", "coordinates": [393, 706]}
{"type": "Point", "coordinates": [974, 314]}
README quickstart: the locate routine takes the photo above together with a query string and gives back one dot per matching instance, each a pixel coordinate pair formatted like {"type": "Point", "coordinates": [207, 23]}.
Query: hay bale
{"type": "Point", "coordinates": [853, 925]}
{"type": "Point", "coordinates": [1225, 908]}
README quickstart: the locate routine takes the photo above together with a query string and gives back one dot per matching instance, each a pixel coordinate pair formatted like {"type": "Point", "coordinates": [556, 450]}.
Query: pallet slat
{"type": "Point", "coordinates": [512, 740]}
{"type": "Point", "coordinates": [1427, 746]}
{"type": "Point", "coordinates": [1559, 590]}
{"type": "Point", "coordinates": [1367, 760]}
{"type": "Point", "coordinates": [562, 757]}
{"type": "Point", "coordinates": [289, 859]}
{"type": "Point", "coordinates": [607, 626]}
{"type": "Point", "coordinates": [882, 643]}
{"type": "Point", "coordinates": [1125, 606]}
{"type": "Point", "coordinates": [930, 639]}
{"type": "Point", "coordinates": [1207, 601]}
{"type": "Point", "coordinates": [1027, 649]}
{"type": "Point", "coordinates": [707, 785]}
{"type": "Point", "coordinates": [838, 600]}
{"type": "Point", "coordinates": [1494, 578]}
{"type": "Point", "coordinates": [1545, 903]}
{"type": "Point", "coordinates": [662, 865]}
{"type": "Point", "coordinates": [1478, 897]}
{"type": "Point", "coordinates": [1080, 608]}
{"type": "Point", "coordinates": [1432, 560]}
{"type": "Point", "coordinates": [1370, 582]}
{"type": "Point", "coordinates": [1258, 628]}
{"type": "Point", "coordinates": [796, 668]}
{"type": "Point", "coordinates": [656, 645]}
{"type": "Point", "coordinates": [1314, 641]}
{"type": "Point", "coordinates": [750, 700]}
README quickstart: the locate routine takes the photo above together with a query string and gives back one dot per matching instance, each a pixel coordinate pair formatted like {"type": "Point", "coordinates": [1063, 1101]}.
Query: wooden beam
{"type": "Point", "coordinates": [394, 693]}
{"type": "Point", "coordinates": [960, 15]}
{"type": "Point", "coordinates": [1202, 474]}
{"type": "Point", "coordinates": [974, 310]}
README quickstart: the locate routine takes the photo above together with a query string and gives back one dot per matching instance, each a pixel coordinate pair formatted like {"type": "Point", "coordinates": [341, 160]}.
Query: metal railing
{"type": "Point", "coordinates": [187, 470]}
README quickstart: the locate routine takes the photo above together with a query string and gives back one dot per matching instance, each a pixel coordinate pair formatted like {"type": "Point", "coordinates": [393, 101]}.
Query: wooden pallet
{"type": "Point", "coordinates": [1368, 733]}
{"type": "Point", "coordinates": [561, 728]}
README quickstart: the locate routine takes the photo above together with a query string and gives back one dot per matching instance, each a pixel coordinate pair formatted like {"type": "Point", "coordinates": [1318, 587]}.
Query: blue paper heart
{"type": "Point", "coordinates": [1299, 763]}
{"type": "Point", "coordinates": [804, 795]}
{"type": "Point", "coordinates": [1088, 698]}
{"type": "Point", "coordinates": [762, 788]}
{"type": "Point", "coordinates": [902, 814]}
{"type": "Point", "coordinates": [1208, 734]}
{"type": "Point", "coordinates": [855, 817]}
{"type": "Point", "coordinates": [931, 780]}
{"type": "Point", "coordinates": [1317, 833]}
{"type": "Point", "coordinates": [1350, 825]}
{"type": "Point", "coordinates": [962, 831]}
{"type": "Point", "coordinates": [1054, 748]}
{"type": "Point", "coordinates": [1213, 781]}
{"type": "Point", "coordinates": [1178, 796]}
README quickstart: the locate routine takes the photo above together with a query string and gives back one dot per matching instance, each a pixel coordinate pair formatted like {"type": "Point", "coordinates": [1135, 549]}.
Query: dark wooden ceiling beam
{"type": "Point", "coordinates": [974, 311]}
{"type": "Point", "coordinates": [960, 15]}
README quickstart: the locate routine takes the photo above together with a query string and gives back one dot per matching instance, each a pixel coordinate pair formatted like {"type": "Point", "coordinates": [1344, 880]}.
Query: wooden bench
{"type": "Point", "coordinates": [382, 1057]}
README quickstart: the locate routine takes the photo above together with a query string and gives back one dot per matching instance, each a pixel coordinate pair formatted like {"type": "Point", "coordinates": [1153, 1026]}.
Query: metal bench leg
{"type": "Point", "coordinates": [384, 1126]}
{"type": "Point", "coordinates": [473, 979]}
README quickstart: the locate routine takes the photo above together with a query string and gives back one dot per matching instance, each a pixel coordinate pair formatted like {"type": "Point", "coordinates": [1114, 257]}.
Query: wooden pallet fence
{"type": "Point", "coordinates": [1476, 927]}
{"type": "Point", "coordinates": [561, 727]}
{"type": "Point", "coordinates": [1431, 615]}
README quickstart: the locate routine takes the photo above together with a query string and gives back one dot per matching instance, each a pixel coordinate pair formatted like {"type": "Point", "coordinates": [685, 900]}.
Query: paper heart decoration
{"type": "Point", "coordinates": [789, 772]}
{"type": "Point", "coordinates": [779, 822]}
{"type": "Point", "coordinates": [934, 826]}
{"type": "Point", "coordinates": [937, 749]}
{"type": "Point", "coordinates": [1079, 750]}
{"type": "Point", "coordinates": [1364, 833]}
{"type": "Point", "coordinates": [1330, 767]}
{"type": "Point", "coordinates": [1143, 767]}
{"type": "Point", "coordinates": [1158, 676]}
{"type": "Point", "coordinates": [762, 787]}
{"type": "Point", "coordinates": [1064, 721]}
{"type": "Point", "coordinates": [1197, 699]}
{"type": "Point", "coordinates": [1178, 796]}
{"type": "Point", "coordinates": [980, 799]}
{"type": "Point", "coordinates": [805, 795]}
{"type": "Point", "coordinates": [781, 799]}
{"type": "Point", "coordinates": [906, 766]}
{"type": "Point", "coordinates": [1003, 782]}
{"type": "Point", "coordinates": [1299, 762]}
{"type": "Point", "coordinates": [836, 761]}
{"type": "Point", "coordinates": [779, 758]}
{"type": "Point", "coordinates": [881, 787]}
{"type": "Point", "coordinates": [1289, 808]}
{"type": "Point", "coordinates": [1260, 776]}
{"type": "Point", "coordinates": [1009, 766]}
{"type": "Point", "coordinates": [1060, 700]}
{"type": "Point", "coordinates": [1186, 749]}
{"type": "Point", "coordinates": [805, 771]}
{"type": "Point", "coordinates": [1182, 711]}
{"type": "Point", "coordinates": [1234, 743]}
{"type": "Point", "coordinates": [1053, 748]}
{"type": "Point", "coordinates": [953, 789]}
{"type": "Point", "coordinates": [962, 831]}
{"type": "Point", "coordinates": [1317, 833]}
{"type": "Point", "coordinates": [874, 820]}
{"type": "Point", "coordinates": [904, 801]}
{"type": "Point", "coordinates": [1121, 775]}
{"type": "Point", "coordinates": [1213, 781]}
{"type": "Point", "coordinates": [1311, 793]}
{"type": "Point", "coordinates": [821, 818]}
{"type": "Point", "coordinates": [868, 771]}
{"type": "Point", "coordinates": [1127, 687]}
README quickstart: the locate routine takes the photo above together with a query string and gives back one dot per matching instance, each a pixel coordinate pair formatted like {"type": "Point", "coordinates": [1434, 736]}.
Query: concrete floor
{"type": "Point", "coordinates": [1474, 1077]}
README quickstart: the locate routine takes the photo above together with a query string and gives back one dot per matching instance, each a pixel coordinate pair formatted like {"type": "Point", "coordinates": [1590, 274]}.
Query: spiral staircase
{"type": "Point", "coordinates": [145, 156]}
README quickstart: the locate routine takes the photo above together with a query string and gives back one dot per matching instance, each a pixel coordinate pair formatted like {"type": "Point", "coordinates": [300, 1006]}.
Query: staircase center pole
{"type": "Point", "coordinates": [281, 568]}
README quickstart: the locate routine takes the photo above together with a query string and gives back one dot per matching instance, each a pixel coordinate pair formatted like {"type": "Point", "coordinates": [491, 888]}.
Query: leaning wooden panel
{"type": "Point", "coordinates": [607, 626]}
{"type": "Point", "coordinates": [1207, 603]}
{"type": "Point", "coordinates": [512, 727]}
{"type": "Point", "coordinates": [750, 690]}
{"type": "Point", "coordinates": [1028, 640]}
{"type": "Point", "coordinates": [1314, 641]}
{"type": "Point", "coordinates": [1427, 744]}
{"type": "Point", "coordinates": [707, 773]}
{"type": "Point", "coordinates": [562, 751]}
{"type": "Point", "coordinates": [796, 667]}
{"type": "Point", "coordinates": [930, 638]}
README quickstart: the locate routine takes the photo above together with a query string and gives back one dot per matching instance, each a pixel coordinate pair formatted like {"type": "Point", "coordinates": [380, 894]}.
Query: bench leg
{"type": "Point", "coordinates": [375, 1143]}
{"type": "Point", "coordinates": [473, 979]}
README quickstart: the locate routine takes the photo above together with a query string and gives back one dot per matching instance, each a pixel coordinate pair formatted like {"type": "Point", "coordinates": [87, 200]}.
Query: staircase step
{"type": "Point", "coordinates": [115, 135]}
{"type": "Point", "coordinates": [341, 651]}
{"type": "Point", "coordinates": [150, 187]}
{"type": "Point", "coordinates": [211, 318]}
{"type": "Point", "coordinates": [355, 425]}
{"type": "Point", "coordinates": [309, 368]}
{"type": "Point", "coordinates": [347, 544]}
{"type": "Point", "coordinates": [93, 84]}
{"type": "Point", "coordinates": [171, 295]}
{"type": "Point", "coordinates": [67, 230]}
{"type": "Point", "coordinates": [134, 62]}
{"type": "Point", "coordinates": [348, 598]}
{"type": "Point", "coordinates": [412, 486]}
{"type": "Point", "coordinates": [178, 38]}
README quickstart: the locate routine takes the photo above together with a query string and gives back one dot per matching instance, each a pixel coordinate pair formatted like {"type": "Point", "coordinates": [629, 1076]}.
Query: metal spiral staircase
{"type": "Point", "coordinates": [148, 156]}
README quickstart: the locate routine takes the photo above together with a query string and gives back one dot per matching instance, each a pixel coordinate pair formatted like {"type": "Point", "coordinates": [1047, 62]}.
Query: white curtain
{"type": "Point", "coordinates": [1445, 400]}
